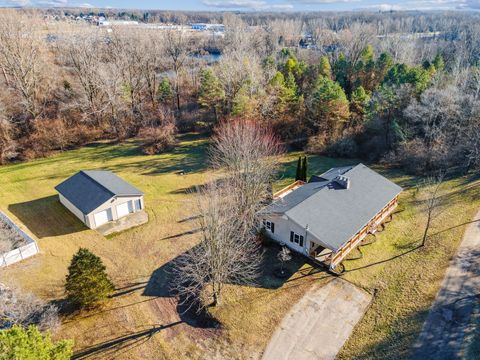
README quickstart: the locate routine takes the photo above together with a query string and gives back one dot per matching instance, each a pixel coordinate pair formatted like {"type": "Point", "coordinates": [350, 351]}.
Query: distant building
{"type": "Point", "coordinates": [117, 23]}
{"type": "Point", "coordinates": [209, 27]}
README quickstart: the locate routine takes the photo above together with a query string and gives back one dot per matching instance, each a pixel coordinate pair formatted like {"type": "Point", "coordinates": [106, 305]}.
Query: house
{"type": "Point", "coordinates": [98, 197]}
{"type": "Point", "coordinates": [330, 215]}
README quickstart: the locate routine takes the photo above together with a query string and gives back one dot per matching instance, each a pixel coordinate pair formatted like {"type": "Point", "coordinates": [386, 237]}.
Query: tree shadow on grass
{"type": "Point", "coordinates": [46, 217]}
{"type": "Point", "coordinates": [122, 344]}
{"type": "Point", "coordinates": [270, 266]}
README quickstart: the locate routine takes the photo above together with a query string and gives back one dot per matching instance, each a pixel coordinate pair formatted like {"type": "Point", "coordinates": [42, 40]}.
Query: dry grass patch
{"type": "Point", "coordinates": [404, 277]}
{"type": "Point", "coordinates": [143, 322]}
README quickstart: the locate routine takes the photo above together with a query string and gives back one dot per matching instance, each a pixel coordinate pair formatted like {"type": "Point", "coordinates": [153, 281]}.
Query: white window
{"type": "Point", "coordinates": [296, 238]}
{"type": "Point", "coordinates": [269, 226]}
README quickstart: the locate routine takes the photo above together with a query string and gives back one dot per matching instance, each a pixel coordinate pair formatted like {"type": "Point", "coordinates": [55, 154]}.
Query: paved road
{"type": "Point", "coordinates": [450, 319]}
{"type": "Point", "coordinates": [320, 323]}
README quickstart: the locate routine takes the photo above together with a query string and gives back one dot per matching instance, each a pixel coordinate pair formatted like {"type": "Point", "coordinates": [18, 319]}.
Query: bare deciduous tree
{"type": "Point", "coordinates": [432, 202]}
{"type": "Point", "coordinates": [224, 255]}
{"type": "Point", "coordinates": [248, 152]}
{"type": "Point", "coordinates": [84, 54]}
{"type": "Point", "coordinates": [21, 59]}
{"type": "Point", "coordinates": [177, 49]}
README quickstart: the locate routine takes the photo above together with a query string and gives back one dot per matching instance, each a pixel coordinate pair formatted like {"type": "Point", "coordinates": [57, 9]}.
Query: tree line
{"type": "Point", "coordinates": [360, 89]}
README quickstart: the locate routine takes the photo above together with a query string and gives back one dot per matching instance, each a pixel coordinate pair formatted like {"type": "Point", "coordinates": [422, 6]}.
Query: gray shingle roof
{"type": "Point", "coordinates": [335, 214]}
{"type": "Point", "coordinates": [87, 190]}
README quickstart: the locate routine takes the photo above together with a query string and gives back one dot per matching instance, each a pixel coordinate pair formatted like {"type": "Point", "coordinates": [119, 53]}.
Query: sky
{"type": "Point", "coordinates": [257, 5]}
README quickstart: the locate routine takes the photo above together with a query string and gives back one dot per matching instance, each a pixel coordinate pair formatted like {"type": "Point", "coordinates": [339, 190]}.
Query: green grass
{"type": "Point", "coordinates": [143, 321]}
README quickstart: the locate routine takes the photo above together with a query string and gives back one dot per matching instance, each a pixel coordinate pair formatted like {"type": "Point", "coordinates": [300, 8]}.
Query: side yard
{"type": "Point", "coordinates": [404, 278]}
{"type": "Point", "coordinates": [143, 320]}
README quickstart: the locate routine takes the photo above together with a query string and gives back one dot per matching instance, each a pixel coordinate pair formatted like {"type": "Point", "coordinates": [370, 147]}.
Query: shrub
{"type": "Point", "coordinates": [87, 283]}
{"type": "Point", "coordinates": [343, 147]}
{"type": "Point", "coordinates": [21, 308]}
{"type": "Point", "coordinates": [49, 135]}
{"type": "Point", "coordinates": [157, 140]}
{"type": "Point", "coordinates": [317, 144]}
{"type": "Point", "coordinates": [30, 344]}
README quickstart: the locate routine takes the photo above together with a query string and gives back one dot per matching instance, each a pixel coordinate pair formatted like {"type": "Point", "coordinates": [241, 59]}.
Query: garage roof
{"type": "Point", "coordinates": [333, 210]}
{"type": "Point", "coordinates": [87, 190]}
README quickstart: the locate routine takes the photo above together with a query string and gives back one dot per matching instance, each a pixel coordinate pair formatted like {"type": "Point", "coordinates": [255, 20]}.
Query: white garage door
{"type": "Point", "coordinates": [103, 217]}
{"type": "Point", "coordinates": [124, 209]}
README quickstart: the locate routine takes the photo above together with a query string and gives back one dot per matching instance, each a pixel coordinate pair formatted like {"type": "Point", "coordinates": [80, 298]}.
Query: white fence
{"type": "Point", "coordinates": [23, 252]}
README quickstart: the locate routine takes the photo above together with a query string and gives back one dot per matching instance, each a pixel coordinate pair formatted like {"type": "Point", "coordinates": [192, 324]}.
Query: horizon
{"type": "Point", "coordinates": [256, 5]}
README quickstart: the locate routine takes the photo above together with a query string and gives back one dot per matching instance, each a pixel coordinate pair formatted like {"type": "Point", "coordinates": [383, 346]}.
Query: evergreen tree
{"type": "Point", "coordinates": [298, 175]}
{"type": "Point", "coordinates": [30, 344]}
{"type": "Point", "coordinates": [165, 91]}
{"type": "Point", "coordinates": [382, 66]}
{"type": "Point", "coordinates": [439, 63]}
{"type": "Point", "coordinates": [244, 104]}
{"type": "Point", "coordinates": [291, 85]}
{"type": "Point", "coordinates": [342, 73]}
{"type": "Point", "coordinates": [328, 107]}
{"type": "Point", "coordinates": [324, 67]}
{"type": "Point", "coordinates": [87, 283]}
{"type": "Point", "coordinates": [304, 169]}
{"type": "Point", "coordinates": [359, 106]}
{"type": "Point", "coordinates": [403, 74]}
{"type": "Point", "coordinates": [211, 91]}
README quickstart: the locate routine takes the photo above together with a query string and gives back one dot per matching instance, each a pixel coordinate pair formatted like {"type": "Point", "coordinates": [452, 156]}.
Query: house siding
{"type": "Point", "coordinates": [282, 233]}
{"type": "Point", "coordinates": [73, 209]}
{"type": "Point", "coordinates": [112, 204]}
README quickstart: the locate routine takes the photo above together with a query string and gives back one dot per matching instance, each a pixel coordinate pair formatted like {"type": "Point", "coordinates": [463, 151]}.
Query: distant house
{"type": "Point", "coordinates": [329, 216]}
{"type": "Point", "coordinates": [98, 197]}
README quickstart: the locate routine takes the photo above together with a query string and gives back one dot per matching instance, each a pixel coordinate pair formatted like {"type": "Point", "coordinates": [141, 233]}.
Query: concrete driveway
{"type": "Point", "coordinates": [124, 223]}
{"type": "Point", "coordinates": [451, 319]}
{"type": "Point", "coordinates": [320, 323]}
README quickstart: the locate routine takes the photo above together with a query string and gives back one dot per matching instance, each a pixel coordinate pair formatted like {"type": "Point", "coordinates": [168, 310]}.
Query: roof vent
{"type": "Point", "coordinates": [343, 181]}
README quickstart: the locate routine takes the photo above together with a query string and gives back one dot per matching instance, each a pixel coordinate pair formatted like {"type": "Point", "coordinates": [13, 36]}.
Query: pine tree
{"type": "Point", "coordinates": [298, 175]}
{"type": "Point", "coordinates": [211, 91]}
{"type": "Point", "coordinates": [165, 91]}
{"type": "Point", "coordinates": [87, 283]}
{"type": "Point", "coordinates": [324, 67]}
{"type": "Point", "coordinates": [328, 107]}
{"type": "Point", "coordinates": [439, 63]}
{"type": "Point", "coordinates": [359, 106]}
{"type": "Point", "coordinates": [30, 344]}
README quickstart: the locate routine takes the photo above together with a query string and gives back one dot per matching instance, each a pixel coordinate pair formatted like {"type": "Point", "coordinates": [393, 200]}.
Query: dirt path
{"type": "Point", "coordinates": [449, 322]}
{"type": "Point", "coordinates": [320, 323]}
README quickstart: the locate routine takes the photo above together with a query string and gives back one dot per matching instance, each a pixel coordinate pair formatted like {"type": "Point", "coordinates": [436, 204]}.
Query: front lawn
{"type": "Point", "coordinates": [143, 319]}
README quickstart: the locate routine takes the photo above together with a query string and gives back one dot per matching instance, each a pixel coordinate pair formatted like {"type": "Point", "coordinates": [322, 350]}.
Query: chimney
{"type": "Point", "coordinates": [343, 181]}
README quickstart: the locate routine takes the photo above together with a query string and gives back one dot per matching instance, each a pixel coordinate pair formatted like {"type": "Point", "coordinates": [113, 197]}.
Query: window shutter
{"type": "Point", "coordinates": [273, 227]}
{"type": "Point", "coordinates": [291, 236]}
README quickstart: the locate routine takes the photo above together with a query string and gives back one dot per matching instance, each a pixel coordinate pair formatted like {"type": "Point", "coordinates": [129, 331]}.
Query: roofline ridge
{"type": "Point", "coordinates": [96, 182]}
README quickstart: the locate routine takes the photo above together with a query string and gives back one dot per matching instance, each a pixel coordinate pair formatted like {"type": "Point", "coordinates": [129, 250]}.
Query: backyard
{"type": "Point", "coordinates": [143, 320]}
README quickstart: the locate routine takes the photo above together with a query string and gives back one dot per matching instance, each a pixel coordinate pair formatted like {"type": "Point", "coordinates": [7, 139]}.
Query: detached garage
{"type": "Point", "coordinates": [98, 197]}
